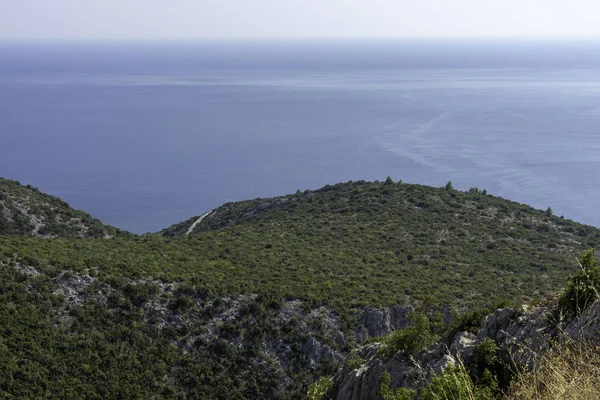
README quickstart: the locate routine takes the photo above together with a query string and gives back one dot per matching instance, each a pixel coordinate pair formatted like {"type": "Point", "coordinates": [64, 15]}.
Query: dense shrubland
{"type": "Point", "coordinates": [343, 247]}
{"type": "Point", "coordinates": [347, 246]}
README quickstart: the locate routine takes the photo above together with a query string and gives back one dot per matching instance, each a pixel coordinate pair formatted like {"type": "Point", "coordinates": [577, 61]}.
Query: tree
{"type": "Point", "coordinates": [449, 186]}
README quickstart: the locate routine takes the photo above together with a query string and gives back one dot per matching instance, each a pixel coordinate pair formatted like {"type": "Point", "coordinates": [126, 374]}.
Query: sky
{"type": "Point", "coordinates": [282, 19]}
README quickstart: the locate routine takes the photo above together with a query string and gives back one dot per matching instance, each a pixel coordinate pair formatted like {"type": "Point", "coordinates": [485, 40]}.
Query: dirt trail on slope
{"type": "Point", "coordinates": [206, 214]}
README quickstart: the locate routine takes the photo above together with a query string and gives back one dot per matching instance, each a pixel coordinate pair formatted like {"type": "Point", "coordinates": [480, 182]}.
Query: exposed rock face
{"type": "Point", "coordinates": [315, 336]}
{"type": "Point", "coordinates": [363, 382]}
{"type": "Point", "coordinates": [315, 352]}
{"type": "Point", "coordinates": [463, 344]}
{"type": "Point", "coordinates": [587, 326]}
{"type": "Point", "coordinates": [495, 323]}
{"type": "Point", "coordinates": [73, 288]}
{"type": "Point", "coordinates": [380, 322]}
{"type": "Point", "coordinates": [521, 336]}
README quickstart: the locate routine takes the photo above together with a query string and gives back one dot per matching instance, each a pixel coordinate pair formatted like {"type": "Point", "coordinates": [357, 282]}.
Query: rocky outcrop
{"type": "Point", "coordinates": [73, 288]}
{"type": "Point", "coordinates": [363, 382]}
{"type": "Point", "coordinates": [380, 322]}
{"type": "Point", "coordinates": [315, 336]}
{"type": "Point", "coordinates": [586, 327]}
{"type": "Point", "coordinates": [463, 345]}
{"type": "Point", "coordinates": [521, 337]}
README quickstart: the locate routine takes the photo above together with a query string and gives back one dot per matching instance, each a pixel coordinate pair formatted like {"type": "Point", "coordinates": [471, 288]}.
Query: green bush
{"type": "Point", "coordinates": [452, 384]}
{"type": "Point", "coordinates": [456, 384]}
{"type": "Point", "coordinates": [469, 321]}
{"type": "Point", "coordinates": [412, 340]}
{"type": "Point", "coordinates": [485, 365]}
{"type": "Point", "coordinates": [388, 393]}
{"type": "Point", "coordinates": [319, 389]}
{"type": "Point", "coordinates": [583, 287]}
{"type": "Point", "coordinates": [354, 360]}
{"type": "Point", "coordinates": [382, 250]}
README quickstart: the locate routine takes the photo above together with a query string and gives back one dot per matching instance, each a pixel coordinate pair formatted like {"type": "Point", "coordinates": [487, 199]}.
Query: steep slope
{"type": "Point", "coordinates": [24, 210]}
{"type": "Point", "coordinates": [504, 342]}
{"type": "Point", "coordinates": [263, 296]}
{"type": "Point", "coordinates": [542, 350]}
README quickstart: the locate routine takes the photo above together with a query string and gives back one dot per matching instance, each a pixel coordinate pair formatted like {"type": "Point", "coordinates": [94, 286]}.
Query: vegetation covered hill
{"type": "Point", "coordinates": [383, 242]}
{"type": "Point", "coordinates": [24, 210]}
{"type": "Point", "coordinates": [265, 295]}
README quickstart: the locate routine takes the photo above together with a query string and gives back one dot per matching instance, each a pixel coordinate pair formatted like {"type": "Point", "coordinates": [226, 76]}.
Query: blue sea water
{"type": "Point", "coordinates": [144, 135]}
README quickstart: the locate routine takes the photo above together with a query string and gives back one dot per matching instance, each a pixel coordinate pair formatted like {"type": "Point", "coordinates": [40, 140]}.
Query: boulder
{"type": "Point", "coordinates": [463, 345]}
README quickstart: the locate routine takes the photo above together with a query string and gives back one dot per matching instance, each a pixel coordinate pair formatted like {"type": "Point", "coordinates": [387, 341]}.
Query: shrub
{"type": "Point", "coordinates": [319, 389]}
{"type": "Point", "coordinates": [180, 303]}
{"type": "Point", "coordinates": [387, 393]}
{"type": "Point", "coordinates": [411, 340]}
{"type": "Point", "coordinates": [469, 321]}
{"type": "Point", "coordinates": [140, 293]}
{"type": "Point", "coordinates": [485, 365]}
{"type": "Point", "coordinates": [452, 384]}
{"type": "Point", "coordinates": [354, 361]}
{"type": "Point", "coordinates": [455, 384]}
{"type": "Point", "coordinates": [583, 287]}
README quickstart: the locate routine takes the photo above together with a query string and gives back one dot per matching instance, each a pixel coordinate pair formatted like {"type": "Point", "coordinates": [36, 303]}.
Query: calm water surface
{"type": "Point", "coordinates": [145, 135]}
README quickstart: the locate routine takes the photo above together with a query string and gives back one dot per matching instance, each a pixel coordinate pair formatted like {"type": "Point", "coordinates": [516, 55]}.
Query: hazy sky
{"type": "Point", "coordinates": [202, 19]}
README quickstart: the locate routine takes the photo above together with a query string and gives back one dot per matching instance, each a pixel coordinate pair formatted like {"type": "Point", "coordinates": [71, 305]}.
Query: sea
{"type": "Point", "coordinates": [143, 135]}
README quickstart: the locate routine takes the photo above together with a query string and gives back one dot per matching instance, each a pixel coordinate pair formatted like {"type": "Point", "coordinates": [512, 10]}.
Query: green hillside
{"type": "Point", "coordinates": [378, 243]}
{"type": "Point", "coordinates": [24, 210]}
{"type": "Point", "coordinates": [264, 295]}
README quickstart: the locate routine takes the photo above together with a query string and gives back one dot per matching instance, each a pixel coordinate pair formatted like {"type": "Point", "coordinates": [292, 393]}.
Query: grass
{"type": "Point", "coordinates": [454, 383]}
{"type": "Point", "coordinates": [569, 371]}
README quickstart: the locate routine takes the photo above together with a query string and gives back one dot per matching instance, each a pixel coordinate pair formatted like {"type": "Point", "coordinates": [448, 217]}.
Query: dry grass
{"type": "Point", "coordinates": [570, 371]}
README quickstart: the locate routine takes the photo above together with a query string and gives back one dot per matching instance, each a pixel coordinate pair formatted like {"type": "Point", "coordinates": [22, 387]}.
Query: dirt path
{"type": "Point", "coordinates": [206, 214]}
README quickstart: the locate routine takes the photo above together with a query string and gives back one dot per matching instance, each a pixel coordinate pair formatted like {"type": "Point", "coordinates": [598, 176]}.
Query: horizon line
{"type": "Point", "coordinates": [317, 39]}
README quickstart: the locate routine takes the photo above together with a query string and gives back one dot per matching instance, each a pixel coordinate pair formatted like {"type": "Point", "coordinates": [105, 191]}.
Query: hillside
{"type": "Point", "coordinates": [264, 296]}
{"type": "Point", "coordinates": [383, 242]}
{"type": "Point", "coordinates": [25, 210]}
{"type": "Point", "coordinates": [539, 350]}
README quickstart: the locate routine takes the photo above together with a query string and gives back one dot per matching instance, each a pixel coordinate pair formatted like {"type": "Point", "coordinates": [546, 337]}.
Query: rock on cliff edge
{"type": "Point", "coordinates": [521, 336]}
